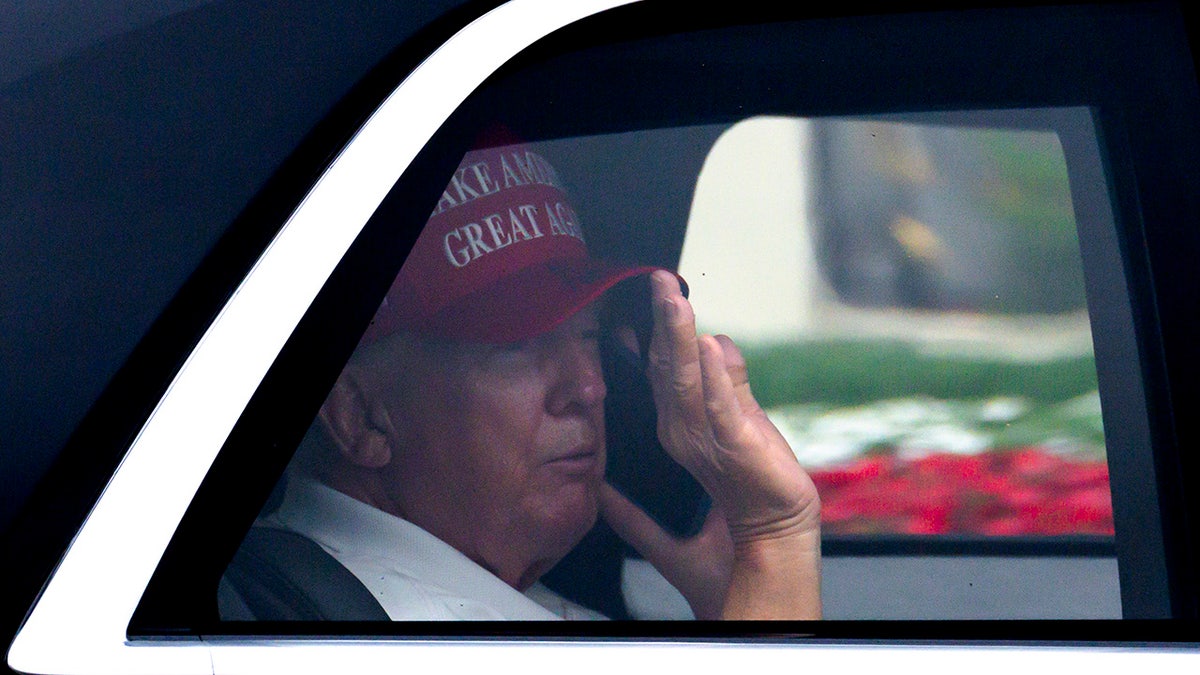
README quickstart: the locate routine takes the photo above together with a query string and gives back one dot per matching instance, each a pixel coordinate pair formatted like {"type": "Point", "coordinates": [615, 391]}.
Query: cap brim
{"type": "Point", "coordinates": [530, 302]}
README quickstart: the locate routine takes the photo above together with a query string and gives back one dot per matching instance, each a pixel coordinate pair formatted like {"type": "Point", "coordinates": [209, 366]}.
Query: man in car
{"type": "Point", "coordinates": [461, 452]}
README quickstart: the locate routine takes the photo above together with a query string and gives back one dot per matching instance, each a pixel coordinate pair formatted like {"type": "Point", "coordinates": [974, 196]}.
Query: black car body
{"type": "Point", "coordinates": [149, 178]}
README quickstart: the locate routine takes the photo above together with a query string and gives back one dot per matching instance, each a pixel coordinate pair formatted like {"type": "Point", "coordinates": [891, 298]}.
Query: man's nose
{"type": "Point", "coordinates": [580, 378]}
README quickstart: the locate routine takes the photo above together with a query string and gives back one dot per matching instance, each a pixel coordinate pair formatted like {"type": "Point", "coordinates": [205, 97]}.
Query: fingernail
{"type": "Point", "coordinates": [656, 278]}
{"type": "Point", "coordinates": [670, 310]}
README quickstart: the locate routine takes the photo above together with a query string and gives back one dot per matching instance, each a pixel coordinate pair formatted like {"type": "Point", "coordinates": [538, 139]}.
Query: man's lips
{"type": "Point", "coordinates": [581, 460]}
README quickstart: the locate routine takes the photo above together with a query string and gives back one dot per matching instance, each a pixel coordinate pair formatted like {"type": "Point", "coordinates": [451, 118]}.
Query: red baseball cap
{"type": "Point", "coordinates": [501, 259]}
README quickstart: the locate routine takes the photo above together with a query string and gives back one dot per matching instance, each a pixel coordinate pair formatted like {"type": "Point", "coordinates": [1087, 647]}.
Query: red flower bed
{"type": "Point", "coordinates": [1024, 491]}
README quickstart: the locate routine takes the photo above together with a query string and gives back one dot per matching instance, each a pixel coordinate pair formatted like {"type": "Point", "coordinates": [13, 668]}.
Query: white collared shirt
{"type": "Point", "coordinates": [414, 575]}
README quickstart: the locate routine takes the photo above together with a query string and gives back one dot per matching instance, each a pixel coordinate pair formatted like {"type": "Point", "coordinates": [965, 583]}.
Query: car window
{"type": "Point", "coordinates": [910, 292]}
{"type": "Point", "coordinates": [935, 391]}
{"type": "Point", "coordinates": [919, 327]}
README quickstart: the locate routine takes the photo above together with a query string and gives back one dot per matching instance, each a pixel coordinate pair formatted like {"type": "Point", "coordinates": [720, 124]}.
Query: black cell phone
{"type": "Point", "coordinates": [638, 465]}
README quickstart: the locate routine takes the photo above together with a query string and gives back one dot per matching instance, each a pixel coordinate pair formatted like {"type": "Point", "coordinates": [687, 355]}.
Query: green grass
{"type": "Point", "coordinates": [855, 372]}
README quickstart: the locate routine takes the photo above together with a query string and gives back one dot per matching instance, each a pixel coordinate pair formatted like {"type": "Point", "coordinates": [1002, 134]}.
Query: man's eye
{"type": "Point", "coordinates": [513, 347]}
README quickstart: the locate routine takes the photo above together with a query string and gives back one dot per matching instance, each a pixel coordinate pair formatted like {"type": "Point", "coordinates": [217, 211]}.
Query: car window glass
{"type": "Point", "coordinates": [919, 327]}
{"type": "Point", "coordinates": [908, 297]}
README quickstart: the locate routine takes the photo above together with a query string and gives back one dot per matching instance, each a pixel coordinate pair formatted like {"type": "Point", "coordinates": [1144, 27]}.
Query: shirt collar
{"type": "Point", "coordinates": [352, 531]}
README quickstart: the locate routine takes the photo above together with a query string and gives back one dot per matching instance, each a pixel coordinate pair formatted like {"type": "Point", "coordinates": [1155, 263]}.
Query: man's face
{"type": "Point", "coordinates": [499, 450]}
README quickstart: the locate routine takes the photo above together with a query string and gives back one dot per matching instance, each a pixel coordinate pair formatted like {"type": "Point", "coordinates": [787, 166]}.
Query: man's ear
{"type": "Point", "coordinates": [358, 424]}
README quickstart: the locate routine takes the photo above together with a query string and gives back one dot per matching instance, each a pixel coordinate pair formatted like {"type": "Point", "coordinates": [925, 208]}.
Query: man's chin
{"type": "Point", "coordinates": [567, 526]}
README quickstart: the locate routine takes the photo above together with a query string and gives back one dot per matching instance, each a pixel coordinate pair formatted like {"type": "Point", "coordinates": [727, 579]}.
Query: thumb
{"type": "Point", "coordinates": [633, 525]}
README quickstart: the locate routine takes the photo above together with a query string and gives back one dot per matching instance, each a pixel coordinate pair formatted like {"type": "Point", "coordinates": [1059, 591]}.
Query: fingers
{"type": "Point", "coordinates": [716, 526]}
{"type": "Point", "coordinates": [699, 567]}
{"type": "Point", "coordinates": [701, 388]}
{"type": "Point", "coordinates": [735, 364]}
{"type": "Point", "coordinates": [720, 398]}
{"type": "Point", "coordinates": [674, 354]}
{"type": "Point", "coordinates": [633, 525]}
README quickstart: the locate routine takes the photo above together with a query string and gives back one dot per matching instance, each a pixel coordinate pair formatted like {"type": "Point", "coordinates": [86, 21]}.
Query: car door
{"type": "Point", "coordinates": [266, 362]}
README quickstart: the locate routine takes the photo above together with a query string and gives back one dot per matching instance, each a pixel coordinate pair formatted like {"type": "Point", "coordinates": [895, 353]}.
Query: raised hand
{"type": "Point", "coordinates": [709, 422]}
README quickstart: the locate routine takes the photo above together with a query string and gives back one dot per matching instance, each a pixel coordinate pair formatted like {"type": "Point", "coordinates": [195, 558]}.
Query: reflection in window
{"type": "Point", "coordinates": [917, 325]}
